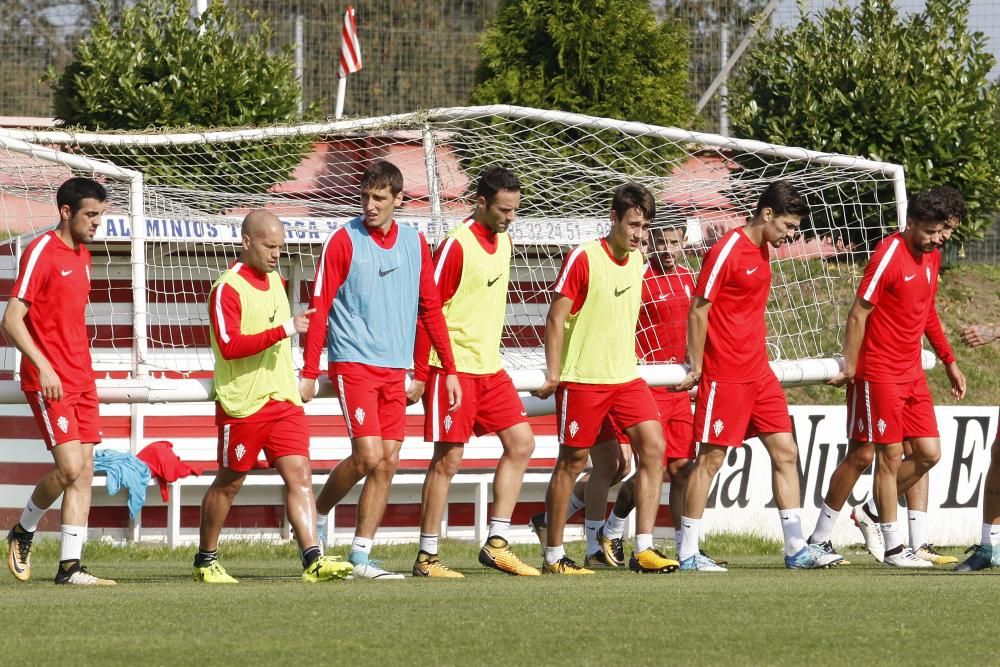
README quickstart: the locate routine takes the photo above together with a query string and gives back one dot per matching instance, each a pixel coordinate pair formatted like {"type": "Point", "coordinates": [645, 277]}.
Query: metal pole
{"type": "Point", "coordinates": [137, 220]}
{"type": "Point", "coordinates": [430, 162]}
{"type": "Point", "coordinates": [737, 54]}
{"type": "Point", "coordinates": [724, 86]}
{"type": "Point", "coordinates": [299, 63]}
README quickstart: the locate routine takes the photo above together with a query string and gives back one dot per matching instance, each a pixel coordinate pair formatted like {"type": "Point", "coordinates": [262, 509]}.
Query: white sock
{"type": "Point", "coordinates": [890, 535]}
{"type": "Point", "coordinates": [824, 524]}
{"type": "Point", "coordinates": [575, 505]}
{"type": "Point", "coordinates": [499, 527]}
{"type": "Point", "coordinates": [918, 528]}
{"type": "Point", "coordinates": [791, 527]}
{"type": "Point", "coordinates": [554, 554]}
{"type": "Point", "coordinates": [73, 538]}
{"type": "Point", "coordinates": [991, 535]}
{"type": "Point", "coordinates": [591, 528]}
{"type": "Point", "coordinates": [643, 541]}
{"type": "Point", "coordinates": [614, 527]}
{"type": "Point", "coordinates": [690, 533]}
{"type": "Point", "coordinates": [362, 545]}
{"type": "Point", "coordinates": [428, 543]}
{"type": "Point", "coordinates": [30, 517]}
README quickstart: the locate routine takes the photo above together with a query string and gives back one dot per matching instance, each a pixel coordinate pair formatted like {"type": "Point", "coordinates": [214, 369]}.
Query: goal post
{"type": "Point", "coordinates": [177, 200]}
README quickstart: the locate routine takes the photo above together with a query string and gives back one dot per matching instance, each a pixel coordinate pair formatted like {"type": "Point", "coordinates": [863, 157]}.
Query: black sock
{"type": "Point", "coordinates": [203, 558]}
{"type": "Point", "coordinates": [68, 565]}
{"type": "Point", "coordinates": [310, 556]}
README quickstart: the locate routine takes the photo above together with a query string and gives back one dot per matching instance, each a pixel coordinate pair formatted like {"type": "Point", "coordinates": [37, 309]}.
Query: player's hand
{"type": "Point", "coordinates": [840, 379]}
{"type": "Point", "coordinates": [51, 384]}
{"type": "Point", "coordinates": [690, 380]}
{"type": "Point", "coordinates": [454, 388]}
{"type": "Point", "coordinates": [979, 334]}
{"type": "Point", "coordinates": [547, 389]}
{"type": "Point", "coordinates": [301, 321]}
{"type": "Point", "coordinates": [957, 379]}
{"type": "Point", "coordinates": [307, 389]}
{"type": "Point", "coordinates": [415, 391]}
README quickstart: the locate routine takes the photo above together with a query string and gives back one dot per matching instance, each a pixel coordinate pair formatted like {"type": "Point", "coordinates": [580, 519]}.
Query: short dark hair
{"type": "Point", "coordinates": [928, 207]}
{"type": "Point", "coordinates": [74, 190]}
{"type": "Point", "coordinates": [633, 195]}
{"type": "Point", "coordinates": [382, 174]}
{"type": "Point", "coordinates": [495, 179]}
{"type": "Point", "coordinates": [671, 216]}
{"type": "Point", "coordinates": [953, 200]}
{"type": "Point", "coordinates": [784, 199]}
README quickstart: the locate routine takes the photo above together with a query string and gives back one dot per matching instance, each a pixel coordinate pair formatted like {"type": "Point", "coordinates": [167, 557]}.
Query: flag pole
{"type": "Point", "coordinates": [341, 92]}
{"type": "Point", "coordinates": [350, 57]}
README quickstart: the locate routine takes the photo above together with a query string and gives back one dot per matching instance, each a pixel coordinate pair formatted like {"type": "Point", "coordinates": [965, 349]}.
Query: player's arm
{"type": "Point", "coordinates": [854, 334]}
{"type": "Point", "coordinates": [942, 348]}
{"type": "Point", "coordinates": [555, 332]}
{"type": "Point", "coordinates": [697, 332]}
{"type": "Point", "coordinates": [429, 313]}
{"type": "Point", "coordinates": [980, 334]}
{"type": "Point", "coordinates": [334, 264]}
{"type": "Point", "coordinates": [447, 275]}
{"type": "Point", "coordinates": [17, 332]}
{"type": "Point", "coordinates": [225, 315]}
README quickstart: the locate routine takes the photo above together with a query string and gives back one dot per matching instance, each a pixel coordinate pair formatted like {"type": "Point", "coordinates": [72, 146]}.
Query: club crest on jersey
{"type": "Point", "coordinates": [63, 423]}
{"type": "Point", "coordinates": [881, 426]}
{"type": "Point", "coordinates": [717, 427]}
{"type": "Point", "coordinates": [359, 416]}
{"type": "Point", "coordinates": [574, 428]}
{"type": "Point", "coordinates": [861, 425]}
{"type": "Point", "coordinates": [447, 423]}
{"type": "Point", "coordinates": [240, 451]}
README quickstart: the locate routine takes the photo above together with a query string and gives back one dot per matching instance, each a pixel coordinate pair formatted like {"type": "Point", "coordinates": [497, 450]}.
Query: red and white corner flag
{"type": "Point", "coordinates": [350, 57]}
{"type": "Point", "coordinates": [350, 48]}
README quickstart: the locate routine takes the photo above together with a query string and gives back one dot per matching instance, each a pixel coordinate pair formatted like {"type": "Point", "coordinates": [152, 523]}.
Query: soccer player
{"type": "Point", "coordinates": [738, 393]}
{"type": "Point", "coordinates": [661, 339]}
{"type": "Point", "coordinates": [591, 366]}
{"type": "Point", "coordinates": [45, 320]}
{"type": "Point", "coordinates": [987, 553]}
{"type": "Point", "coordinates": [374, 278]}
{"type": "Point", "coordinates": [887, 395]}
{"type": "Point", "coordinates": [257, 399]}
{"type": "Point", "coordinates": [472, 271]}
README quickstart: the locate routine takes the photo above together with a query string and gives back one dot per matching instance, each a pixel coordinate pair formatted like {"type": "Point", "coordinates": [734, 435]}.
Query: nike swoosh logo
{"type": "Point", "coordinates": [72, 534]}
{"type": "Point", "coordinates": [17, 569]}
{"type": "Point", "coordinates": [662, 297]}
{"type": "Point", "coordinates": [749, 271]}
{"type": "Point", "coordinates": [66, 273]}
{"type": "Point", "coordinates": [907, 279]}
{"type": "Point", "coordinates": [383, 274]}
{"type": "Point", "coordinates": [489, 283]}
{"type": "Point", "coordinates": [619, 292]}
{"type": "Point", "coordinates": [523, 413]}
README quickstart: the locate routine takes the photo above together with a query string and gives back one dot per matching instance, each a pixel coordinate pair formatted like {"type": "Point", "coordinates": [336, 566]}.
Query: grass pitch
{"type": "Point", "coordinates": [758, 613]}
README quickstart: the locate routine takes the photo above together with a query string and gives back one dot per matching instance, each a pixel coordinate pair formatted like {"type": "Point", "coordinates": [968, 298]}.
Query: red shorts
{"type": "Point", "coordinates": [281, 431]}
{"type": "Point", "coordinates": [727, 413]}
{"type": "Point", "coordinates": [581, 409]}
{"type": "Point", "coordinates": [888, 412]}
{"type": "Point", "coordinates": [372, 400]}
{"type": "Point", "coordinates": [675, 419]}
{"type": "Point", "coordinates": [678, 423]}
{"type": "Point", "coordinates": [76, 417]}
{"type": "Point", "coordinates": [490, 404]}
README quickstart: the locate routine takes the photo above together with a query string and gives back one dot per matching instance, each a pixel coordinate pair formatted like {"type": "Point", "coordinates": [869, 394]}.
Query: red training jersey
{"type": "Point", "coordinates": [661, 336]}
{"type": "Point", "coordinates": [736, 278]}
{"type": "Point", "coordinates": [448, 262]}
{"type": "Point", "coordinates": [902, 287]}
{"type": "Point", "coordinates": [332, 269]}
{"type": "Point", "coordinates": [54, 280]}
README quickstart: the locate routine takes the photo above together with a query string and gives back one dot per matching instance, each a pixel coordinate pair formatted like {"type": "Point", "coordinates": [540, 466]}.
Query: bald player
{"type": "Point", "coordinates": [258, 407]}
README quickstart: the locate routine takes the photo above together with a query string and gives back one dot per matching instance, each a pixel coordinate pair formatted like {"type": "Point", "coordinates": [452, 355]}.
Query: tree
{"type": "Point", "coordinates": [151, 65]}
{"type": "Point", "coordinates": [606, 58]}
{"type": "Point", "coordinates": [867, 81]}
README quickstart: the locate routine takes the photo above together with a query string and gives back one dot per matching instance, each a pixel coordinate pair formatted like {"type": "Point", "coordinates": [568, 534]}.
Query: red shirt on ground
{"type": "Point", "coordinates": [332, 269]}
{"type": "Point", "coordinates": [54, 280]}
{"type": "Point", "coordinates": [902, 288]}
{"type": "Point", "coordinates": [736, 278]}
{"type": "Point", "coordinates": [661, 336]}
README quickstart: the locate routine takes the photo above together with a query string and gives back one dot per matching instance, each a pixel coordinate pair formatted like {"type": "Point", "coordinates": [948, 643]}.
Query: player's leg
{"type": "Point", "coordinates": [371, 508]}
{"type": "Point", "coordinates": [569, 464]}
{"type": "Point", "coordinates": [679, 471]}
{"type": "Point", "coordinates": [214, 509]}
{"type": "Point", "coordinates": [518, 445]}
{"type": "Point", "coordinates": [647, 441]}
{"type": "Point", "coordinates": [888, 459]}
{"type": "Point", "coordinates": [987, 553]}
{"type": "Point", "coordinates": [608, 460]}
{"type": "Point", "coordinates": [444, 464]}
{"type": "Point", "coordinates": [859, 457]}
{"type": "Point", "coordinates": [702, 472]}
{"type": "Point", "coordinates": [915, 487]}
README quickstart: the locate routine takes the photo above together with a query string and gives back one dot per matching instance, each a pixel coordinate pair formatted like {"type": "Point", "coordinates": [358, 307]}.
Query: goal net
{"type": "Point", "coordinates": [177, 200]}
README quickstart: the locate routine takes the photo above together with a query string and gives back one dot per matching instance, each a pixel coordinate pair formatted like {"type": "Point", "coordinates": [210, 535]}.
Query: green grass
{"type": "Point", "coordinates": [758, 613]}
